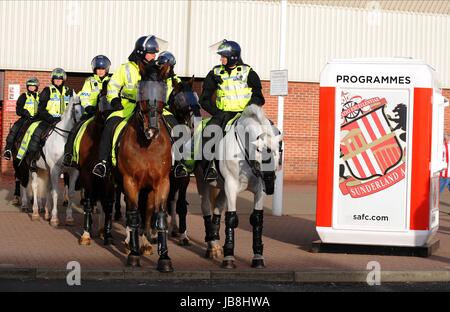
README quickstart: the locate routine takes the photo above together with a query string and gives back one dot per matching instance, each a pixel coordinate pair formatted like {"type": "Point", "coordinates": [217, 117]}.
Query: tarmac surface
{"type": "Point", "coordinates": [31, 250]}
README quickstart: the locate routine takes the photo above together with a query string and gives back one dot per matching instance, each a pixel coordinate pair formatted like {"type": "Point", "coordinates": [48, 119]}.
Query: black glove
{"type": "Point", "coordinates": [27, 114]}
{"type": "Point", "coordinates": [54, 120]}
{"type": "Point", "coordinates": [90, 110]}
{"type": "Point", "coordinates": [116, 103]}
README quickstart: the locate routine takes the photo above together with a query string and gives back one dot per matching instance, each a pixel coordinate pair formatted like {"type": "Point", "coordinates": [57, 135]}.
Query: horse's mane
{"type": "Point", "coordinates": [256, 112]}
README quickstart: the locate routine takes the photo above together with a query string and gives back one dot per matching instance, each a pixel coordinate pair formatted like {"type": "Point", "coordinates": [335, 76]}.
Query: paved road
{"type": "Point", "coordinates": [213, 286]}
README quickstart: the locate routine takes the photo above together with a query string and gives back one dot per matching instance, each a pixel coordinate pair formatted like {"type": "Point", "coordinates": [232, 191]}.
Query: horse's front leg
{"type": "Point", "coordinates": [231, 222]}
{"type": "Point", "coordinates": [34, 186]}
{"type": "Point", "coordinates": [74, 174]}
{"type": "Point", "coordinates": [161, 225]}
{"type": "Point", "coordinates": [256, 220]}
{"type": "Point", "coordinates": [212, 224]}
{"type": "Point", "coordinates": [181, 210]}
{"type": "Point", "coordinates": [54, 176]}
{"type": "Point", "coordinates": [133, 221]}
{"type": "Point", "coordinates": [24, 199]}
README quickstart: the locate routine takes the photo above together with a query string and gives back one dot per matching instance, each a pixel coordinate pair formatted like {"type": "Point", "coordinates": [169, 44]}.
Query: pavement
{"type": "Point", "coordinates": [35, 250]}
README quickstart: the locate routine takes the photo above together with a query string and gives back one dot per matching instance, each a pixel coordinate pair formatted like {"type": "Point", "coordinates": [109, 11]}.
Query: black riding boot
{"type": "Point", "coordinates": [68, 149]}
{"type": "Point", "coordinates": [101, 168]}
{"type": "Point", "coordinates": [133, 221]}
{"type": "Point", "coordinates": [256, 220]}
{"type": "Point", "coordinates": [231, 222]}
{"type": "Point", "coordinates": [11, 138]}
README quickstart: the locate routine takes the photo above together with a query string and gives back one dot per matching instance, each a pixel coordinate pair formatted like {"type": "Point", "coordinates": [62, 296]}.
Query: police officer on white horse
{"type": "Point", "coordinates": [234, 84]}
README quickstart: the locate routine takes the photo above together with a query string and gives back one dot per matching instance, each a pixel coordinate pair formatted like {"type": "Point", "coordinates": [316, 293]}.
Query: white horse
{"type": "Point", "coordinates": [53, 152]}
{"type": "Point", "coordinates": [248, 157]}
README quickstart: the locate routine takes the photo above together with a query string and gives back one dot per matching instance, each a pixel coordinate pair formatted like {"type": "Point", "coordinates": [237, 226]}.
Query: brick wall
{"type": "Point", "coordinates": [301, 121]}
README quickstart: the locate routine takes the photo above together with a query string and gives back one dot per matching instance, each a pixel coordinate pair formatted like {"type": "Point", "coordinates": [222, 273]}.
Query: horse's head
{"type": "Point", "coordinates": [183, 101]}
{"type": "Point", "coordinates": [266, 148]}
{"type": "Point", "coordinates": [152, 96]}
{"type": "Point", "coordinates": [74, 111]}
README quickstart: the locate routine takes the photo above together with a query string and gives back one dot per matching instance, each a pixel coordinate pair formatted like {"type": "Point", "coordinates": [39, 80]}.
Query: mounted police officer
{"type": "Point", "coordinates": [122, 94]}
{"type": "Point", "coordinates": [53, 101]}
{"type": "Point", "coordinates": [27, 109]}
{"type": "Point", "coordinates": [169, 115]}
{"type": "Point", "coordinates": [234, 85]}
{"type": "Point", "coordinates": [89, 96]}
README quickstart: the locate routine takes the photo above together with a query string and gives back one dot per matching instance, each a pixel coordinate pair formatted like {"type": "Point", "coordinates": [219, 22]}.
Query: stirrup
{"type": "Point", "coordinates": [180, 171]}
{"type": "Point", "coordinates": [7, 154]}
{"type": "Point", "coordinates": [100, 169]}
{"type": "Point", "coordinates": [211, 174]}
{"type": "Point", "coordinates": [67, 160]}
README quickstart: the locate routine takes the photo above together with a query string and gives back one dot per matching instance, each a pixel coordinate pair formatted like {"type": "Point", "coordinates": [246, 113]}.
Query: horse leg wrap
{"type": "Point", "coordinates": [161, 225]}
{"type": "Point", "coordinates": [182, 212]}
{"type": "Point", "coordinates": [88, 215]}
{"type": "Point", "coordinates": [231, 222]}
{"type": "Point", "coordinates": [256, 220]}
{"type": "Point", "coordinates": [108, 219]}
{"type": "Point", "coordinates": [133, 221]}
{"type": "Point", "coordinates": [208, 228]}
{"type": "Point", "coordinates": [216, 227]}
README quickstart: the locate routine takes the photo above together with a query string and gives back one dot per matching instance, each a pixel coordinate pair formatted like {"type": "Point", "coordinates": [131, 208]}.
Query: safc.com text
{"type": "Point", "coordinates": [364, 217]}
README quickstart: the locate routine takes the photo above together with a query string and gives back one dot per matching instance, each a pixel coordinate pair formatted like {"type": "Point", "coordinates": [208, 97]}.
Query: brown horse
{"type": "Point", "coordinates": [143, 169]}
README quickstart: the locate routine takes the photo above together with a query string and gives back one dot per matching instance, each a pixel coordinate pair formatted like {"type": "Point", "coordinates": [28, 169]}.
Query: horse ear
{"type": "Point", "coordinates": [191, 81]}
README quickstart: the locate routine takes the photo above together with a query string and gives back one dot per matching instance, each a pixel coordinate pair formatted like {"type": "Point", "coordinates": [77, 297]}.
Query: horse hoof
{"type": "Point", "coordinates": [147, 250]}
{"type": "Point", "coordinates": [214, 252]}
{"type": "Point", "coordinates": [65, 203]}
{"type": "Point", "coordinates": [164, 266]}
{"type": "Point", "coordinates": [228, 264]}
{"type": "Point", "coordinates": [35, 217]}
{"type": "Point", "coordinates": [184, 242]}
{"type": "Point", "coordinates": [101, 233]}
{"type": "Point", "coordinates": [54, 223]}
{"type": "Point", "coordinates": [108, 240]}
{"type": "Point", "coordinates": [134, 261]}
{"type": "Point", "coordinates": [258, 264]}
{"type": "Point", "coordinates": [70, 222]}
{"type": "Point", "coordinates": [127, 249]}
{"type": "Point", "coordinates": [16, 201]}
{"type": "Point", "coordinates": [85, 241]}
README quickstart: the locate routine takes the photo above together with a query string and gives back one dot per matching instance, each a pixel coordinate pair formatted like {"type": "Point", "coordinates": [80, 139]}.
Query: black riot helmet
{"type": "Point", "coordinates": [144, 45]}
{"type": "Point", "coordinates": [59, 73]}
{"type": "Point", "coordinates": [166, 57]}
{"type": "Point", "coordinates": [231, 50]}
{"type": "Point", "coordinates": [102, 62]}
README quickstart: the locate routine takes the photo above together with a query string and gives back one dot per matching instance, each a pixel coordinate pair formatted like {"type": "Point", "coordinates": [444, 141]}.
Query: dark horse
{"type": "Point", "coordinates": [143, 169]}
{"type": "Point", "coordinates": [183, 103]}
{"type": "Point", "coordinates": [95, 189]}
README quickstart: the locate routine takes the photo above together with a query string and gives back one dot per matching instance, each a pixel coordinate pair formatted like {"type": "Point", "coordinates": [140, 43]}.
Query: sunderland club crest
{"type": "Point", "coordinates": [371, 153]}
